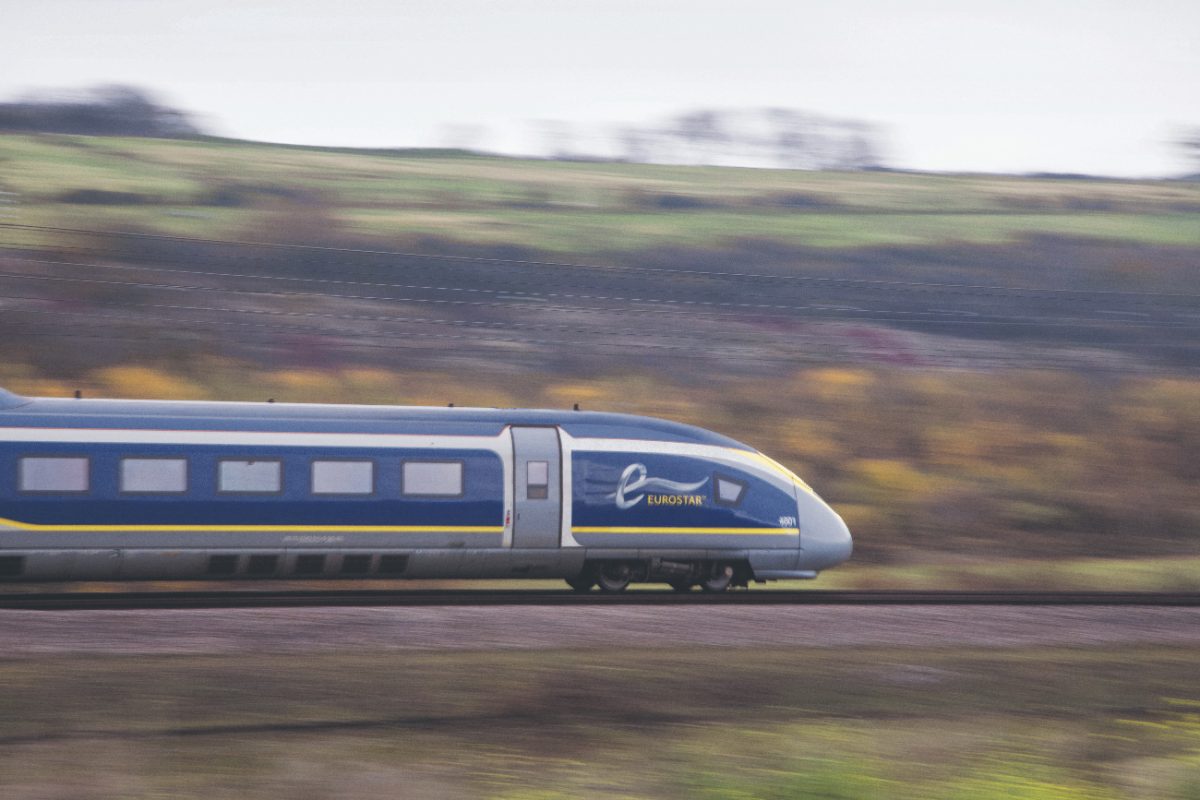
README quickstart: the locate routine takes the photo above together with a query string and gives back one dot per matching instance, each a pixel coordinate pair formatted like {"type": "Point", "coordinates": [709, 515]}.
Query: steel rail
{"type": "Point", "coordinates": [64, 601]}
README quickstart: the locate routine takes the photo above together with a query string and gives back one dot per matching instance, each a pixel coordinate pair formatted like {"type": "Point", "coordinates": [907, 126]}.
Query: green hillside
{"type": "Point", "coordinates": [238, 189]}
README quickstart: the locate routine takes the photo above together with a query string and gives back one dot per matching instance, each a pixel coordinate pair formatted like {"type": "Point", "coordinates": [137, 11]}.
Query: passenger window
{"type": "Point", "coordinates": [250, 477]}
{"type": "Point", "coordinates": [729, 491]}
{"type": "Point", "coordinates": [154, 475]}
{"type": "Point", "coordinates": [53, 475]}
{"type": "Point", "coordinates": [537, 480]}
{"type": "Point", "coordinates": [343, 477]}
{"type": "Point", "coordinates": [433, 479]}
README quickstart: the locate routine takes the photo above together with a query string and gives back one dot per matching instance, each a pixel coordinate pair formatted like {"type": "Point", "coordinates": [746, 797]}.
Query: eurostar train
{"type": "Point", "coordinates": [152, 490]}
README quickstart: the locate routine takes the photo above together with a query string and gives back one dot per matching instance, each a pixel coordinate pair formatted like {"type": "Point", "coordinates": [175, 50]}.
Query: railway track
{"type": "Point", "coordinates": [32, 601]}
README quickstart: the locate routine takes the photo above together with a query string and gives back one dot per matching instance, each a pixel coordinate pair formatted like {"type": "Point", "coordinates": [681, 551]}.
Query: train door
{"type": "Point", "coordinates": [537, 469]}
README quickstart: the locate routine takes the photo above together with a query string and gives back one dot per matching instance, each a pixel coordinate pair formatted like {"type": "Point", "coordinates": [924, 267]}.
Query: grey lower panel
{"type": "Point", "coordinates": [235, 564]}
{"type": "Point", "coordinates": [645, 553]}
{"type": "Point", "coordinates": [150, 564]}
{"type": "Point", "coordinates": [515, 563]}
{"type": "Point", "coordinates": [132, 564]}
{"type": "Point", "coordinates": [685, 541]}
{"type": "Point", "coordinates": [772, 560]}
{"type": "Point", "coordinates": [770, 564]}
{"type": "Point", "coordinates": [55, 565]}
{"type": "Point", "coordinates": [783, 574]}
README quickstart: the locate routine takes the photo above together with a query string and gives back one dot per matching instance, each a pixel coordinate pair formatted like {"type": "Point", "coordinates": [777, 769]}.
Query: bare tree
{"type": "Point", "coordinates": [635, 144]}
{"type": "Point", "coordinates": [703, 132]}
{"type": "Point", "coordinates": [788, 137]}
{"type": "Point", "coordinates": [860, 149]}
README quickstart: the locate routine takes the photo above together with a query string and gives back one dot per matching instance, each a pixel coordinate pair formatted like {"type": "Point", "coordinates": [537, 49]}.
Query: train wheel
{"type": "Point", "coordinates": [684, 585]}
{"type": "Point", "coordinates": [613, 576]}
{"type": "Point", "coordinates": [719, 580]}
{"type": "Point", "coordinates": [583, 581]}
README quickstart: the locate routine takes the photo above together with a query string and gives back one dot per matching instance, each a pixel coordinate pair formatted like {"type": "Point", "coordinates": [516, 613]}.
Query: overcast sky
{"type": "Point", "coordinates": [1100, 86]}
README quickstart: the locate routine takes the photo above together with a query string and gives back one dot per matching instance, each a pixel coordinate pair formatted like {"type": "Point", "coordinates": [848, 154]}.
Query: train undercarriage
{"type": "Point", "coordinates": [613, 576]}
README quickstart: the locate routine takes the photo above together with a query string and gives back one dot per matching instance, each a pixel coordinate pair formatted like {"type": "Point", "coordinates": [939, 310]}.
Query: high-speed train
{"type": "Point", "coordinates": [139, 490]}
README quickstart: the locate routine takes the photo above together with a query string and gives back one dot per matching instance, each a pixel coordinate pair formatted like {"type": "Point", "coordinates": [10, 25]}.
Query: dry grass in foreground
{"type": "Point", "coordinates": [1041, 725]}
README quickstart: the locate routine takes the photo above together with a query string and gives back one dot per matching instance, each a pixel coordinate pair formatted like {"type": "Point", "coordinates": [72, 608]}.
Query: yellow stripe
{"type": "Point", "coordinates": [29, 526]}
{"type": "Point", "coordinates": [712, 531]}
{"type": "Point", "coordinates": [770, 462]}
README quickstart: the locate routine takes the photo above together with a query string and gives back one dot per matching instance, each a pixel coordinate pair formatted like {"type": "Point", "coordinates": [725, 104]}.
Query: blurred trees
{"type": "Point", "coordinates": [783, 137]}
{"type": "Point", "coordinates": [765, 137]}
{"type": "Point", "coordinates": [703, 132]}
{"type": "Point", "coordinates": [103, 111]}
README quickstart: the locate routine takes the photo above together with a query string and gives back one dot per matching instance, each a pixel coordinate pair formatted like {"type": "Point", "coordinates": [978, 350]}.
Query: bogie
{"type": "Point", "coordinates": [719, 577]}
{"type": "Point", "coordinates": [584, 581]}
{"type": "Point", "coordinates": [614, 576]}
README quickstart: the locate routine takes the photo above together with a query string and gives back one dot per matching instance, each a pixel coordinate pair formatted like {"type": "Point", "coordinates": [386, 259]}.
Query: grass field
{"type": "Point", "coordinates": [241, 190]}
{"type": "Point", "coordinates": [556, 725]}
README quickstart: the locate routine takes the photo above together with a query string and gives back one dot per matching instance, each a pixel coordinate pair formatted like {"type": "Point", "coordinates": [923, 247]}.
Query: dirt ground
{"type": "Point", "coordinates": [176, 632]}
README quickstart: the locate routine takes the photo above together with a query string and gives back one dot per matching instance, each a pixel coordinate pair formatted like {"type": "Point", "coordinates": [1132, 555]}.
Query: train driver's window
{"type": "Point", "coordinates": [53, 475]}
{"type": "Point", "coordinates": [537, 482]}
{"type": "Point", "coordinates": [154, 475]}
{"type": "Point", "coordinates": [729, 491]}
{"type": "Point", "coordinates": [432, 479]}
{"type": "Point", "coordinates": [250, 477]}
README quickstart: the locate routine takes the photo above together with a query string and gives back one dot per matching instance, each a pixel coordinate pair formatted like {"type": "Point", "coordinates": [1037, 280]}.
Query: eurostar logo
{"type": "Point", "coordinates": [635, 485]}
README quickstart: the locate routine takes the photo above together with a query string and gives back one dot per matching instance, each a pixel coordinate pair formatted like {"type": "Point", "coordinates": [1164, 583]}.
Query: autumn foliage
{"type": "Point", "coordinates": [923, 465]}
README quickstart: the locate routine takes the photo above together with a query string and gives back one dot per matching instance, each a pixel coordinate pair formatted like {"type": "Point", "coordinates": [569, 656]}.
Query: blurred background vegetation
{"type": "Point", "coordinates": [994, 378]}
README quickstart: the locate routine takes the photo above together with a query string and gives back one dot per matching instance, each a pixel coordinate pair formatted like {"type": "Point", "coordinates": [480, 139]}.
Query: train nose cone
{"type": "Point", "coordinates": [824, 538]}
{"type": "Point", "coordinates": [844, 546]}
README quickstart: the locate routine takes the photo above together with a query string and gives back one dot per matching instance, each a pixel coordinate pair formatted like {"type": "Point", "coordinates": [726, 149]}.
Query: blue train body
{"type": "Point", "coordinates": [105, 489]}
